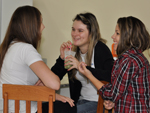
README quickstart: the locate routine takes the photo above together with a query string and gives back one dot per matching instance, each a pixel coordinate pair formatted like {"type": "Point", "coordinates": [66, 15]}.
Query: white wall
{"type": "Point", "coordinates": [58, 15]}
{"type": "Point", "coordinates": [7, 7]}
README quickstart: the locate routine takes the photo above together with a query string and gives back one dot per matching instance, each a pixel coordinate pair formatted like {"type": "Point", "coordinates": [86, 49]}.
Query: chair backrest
{"type": "Point", "coordinates": [100, 106]}
{"type": "Point", "coordinates": [28, 93]}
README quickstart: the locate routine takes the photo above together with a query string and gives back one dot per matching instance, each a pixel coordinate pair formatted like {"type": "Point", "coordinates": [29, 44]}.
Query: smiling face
{"type": "Point", "coordinates": [80, 34]}
{"type": "Point", "coordinates": [116, 37]}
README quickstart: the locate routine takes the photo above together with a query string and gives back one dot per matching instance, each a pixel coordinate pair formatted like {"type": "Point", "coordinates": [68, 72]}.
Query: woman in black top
{"type": "Point", "coordinates": [90, 48]}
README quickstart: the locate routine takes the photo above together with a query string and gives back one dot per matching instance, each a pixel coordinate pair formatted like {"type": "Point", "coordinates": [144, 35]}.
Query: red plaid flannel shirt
{"type": "Point", "coordinates": [130, 83]}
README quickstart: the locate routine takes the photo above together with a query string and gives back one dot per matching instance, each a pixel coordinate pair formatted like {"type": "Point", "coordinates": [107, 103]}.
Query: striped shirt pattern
{"type": "Point", "coordinates": [130, 83]}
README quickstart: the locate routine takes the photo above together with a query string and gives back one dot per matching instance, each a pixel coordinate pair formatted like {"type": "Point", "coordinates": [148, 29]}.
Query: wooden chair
{"type": "Point", "coordinates": [28, 93]}
{"type": "Point", "coordinates": [100, 106]}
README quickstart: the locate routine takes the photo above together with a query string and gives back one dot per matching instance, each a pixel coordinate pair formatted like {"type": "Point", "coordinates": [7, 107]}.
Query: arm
{"type": "Point", "coordinates": [122, 74]}
{"type": "Point", "coordinates": [103, 61]}
{"type": "Point", "coordinates": [58, 67]}
{"type": "Point", "coordinates": [46, 75]}
{"type": "Point", "coordinates": [28, 55]}
{"type": "Point", "coordinates": [82, 69]}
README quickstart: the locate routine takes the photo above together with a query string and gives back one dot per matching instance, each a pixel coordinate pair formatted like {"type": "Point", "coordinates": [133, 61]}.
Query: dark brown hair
{"type": "Point", "coordinates": [24, 26]}
{"type": "Point", "coordinates": [133, 34]}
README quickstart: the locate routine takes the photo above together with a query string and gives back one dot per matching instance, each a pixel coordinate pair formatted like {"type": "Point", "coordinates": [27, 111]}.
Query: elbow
{"type": "Point", "coordinates": [55, 85]}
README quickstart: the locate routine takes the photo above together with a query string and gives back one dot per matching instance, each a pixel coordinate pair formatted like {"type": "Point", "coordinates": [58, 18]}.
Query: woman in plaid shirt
{"type": "Point", "coordinates": [129, 90]}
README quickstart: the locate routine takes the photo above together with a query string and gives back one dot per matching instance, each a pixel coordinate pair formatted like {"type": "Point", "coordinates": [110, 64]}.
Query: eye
{"type": "Point", "coordinates": [80, 30]}
{"type": "Point", "coordinates": [118, 33]}
{"type": "Point", "coordinates": [73, 29]}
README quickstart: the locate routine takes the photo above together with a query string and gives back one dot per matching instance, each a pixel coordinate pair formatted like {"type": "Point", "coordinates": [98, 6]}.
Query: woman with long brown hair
{"type": "Point", "coordinates": [20, 63]}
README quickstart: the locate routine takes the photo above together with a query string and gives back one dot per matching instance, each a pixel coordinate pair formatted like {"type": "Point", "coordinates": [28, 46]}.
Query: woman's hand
{"type": "Point", "coordinates": [39, 83]}
{"type": "Point", "coordinates": [108, 104]}
{"type": "Point", "coordinates": [65, 46]}
{"type": "Point", "coordinates": [73, 61]}
{"type": "Point", "coordinates": [82, 69]}
{"type": "Point", "coordinates": [65, 99]}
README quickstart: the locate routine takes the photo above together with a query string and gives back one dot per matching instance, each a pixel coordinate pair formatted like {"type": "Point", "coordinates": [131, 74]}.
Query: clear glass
{"type": "Point", "coordinates": [67, 53]}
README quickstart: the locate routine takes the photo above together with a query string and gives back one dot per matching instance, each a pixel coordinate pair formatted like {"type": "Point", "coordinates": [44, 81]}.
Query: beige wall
{"type": "Point", "coordinates": [58, 15]}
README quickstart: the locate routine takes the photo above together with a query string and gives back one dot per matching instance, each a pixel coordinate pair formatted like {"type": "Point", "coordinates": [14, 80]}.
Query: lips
{"type": "Point", "coordinates": [115, 42]}
{"type": "Point", "coordinates": [76, 39]}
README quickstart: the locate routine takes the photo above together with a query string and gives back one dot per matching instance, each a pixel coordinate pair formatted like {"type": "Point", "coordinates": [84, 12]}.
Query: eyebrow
{"type": "Point", "coordinates": [78, 28]}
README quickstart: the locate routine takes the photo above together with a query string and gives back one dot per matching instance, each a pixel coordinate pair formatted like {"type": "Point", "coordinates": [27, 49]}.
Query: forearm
{"type": "Point", "coordinates": [82, 69]}
{"type": "Point", "coordinates": [98, 84]}
{"type": "Point", "coordinates": [58, 68]}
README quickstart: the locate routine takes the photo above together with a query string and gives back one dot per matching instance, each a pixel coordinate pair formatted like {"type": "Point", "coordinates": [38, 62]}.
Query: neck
{"type": "Point", "coordinates": [84, 49]}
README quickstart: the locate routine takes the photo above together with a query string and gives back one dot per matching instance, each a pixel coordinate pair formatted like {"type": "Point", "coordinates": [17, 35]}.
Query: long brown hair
{"type": "Point", "coordinates": [90, 21]}
{"type": "Point", "coordinates": [133, 34]}
{"type": "Point", "coordinates": [24, 26]}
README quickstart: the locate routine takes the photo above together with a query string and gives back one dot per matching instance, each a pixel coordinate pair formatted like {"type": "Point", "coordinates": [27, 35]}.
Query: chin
{"type": "Point", "coordinates": [76, 44]}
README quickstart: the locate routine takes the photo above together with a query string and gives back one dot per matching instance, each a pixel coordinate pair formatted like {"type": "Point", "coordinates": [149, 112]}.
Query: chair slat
{"type": "Point", "coordinates": [16, 106]}
{"type": "Point", "coordinates": [28, 106]}
{"type": "Point", "coordinates": [39, 106]}
{"type": "Point", "coordinates": [50, 104]}
{"type": "Point", "coordinates": [5, 103]}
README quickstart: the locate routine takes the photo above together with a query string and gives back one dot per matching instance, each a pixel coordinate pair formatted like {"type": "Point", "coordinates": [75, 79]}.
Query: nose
{"type": "Point", "coordinates": [113, 36]}
{"type": "Point", "coordinates": [74, 33]}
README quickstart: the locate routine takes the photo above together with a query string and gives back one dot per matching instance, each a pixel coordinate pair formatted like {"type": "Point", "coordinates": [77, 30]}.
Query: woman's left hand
{"type": "Point", "coordinates": [73, 61]}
